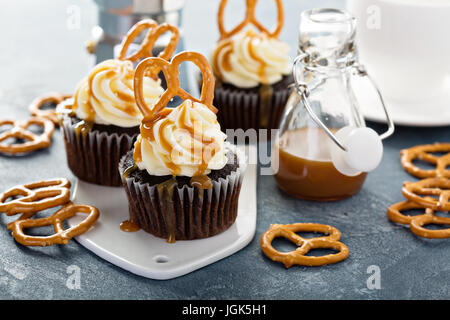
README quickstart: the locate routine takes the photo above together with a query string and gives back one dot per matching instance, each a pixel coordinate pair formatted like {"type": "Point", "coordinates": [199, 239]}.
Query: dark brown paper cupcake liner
{"type": "Point", "coordinates": [241, 109]}
{"type": "Point", "coordinates": [188, 213]}
{"type": "Point", "coordinates": [94, 156]}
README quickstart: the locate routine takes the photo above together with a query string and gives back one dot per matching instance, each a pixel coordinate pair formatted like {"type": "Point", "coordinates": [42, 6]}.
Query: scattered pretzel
{"type": "Point", "coordinates": [250, 18]}
{"type": "Point", "coordinates": [417, 222]}
{"type": "Point", "coordinates": [438, 187]}
{"type": "Point", "coordinates": [298, 257]}
{"type": "Point", "coordinates": [39, 102]}
{"type": "Point", "coordinates": [172, 74]}
{"type": "Point", "coordinates": [60, 236]}
{"type": "Point", "coordinates": [36, 196]}
{"type": "Point", "coordinates": [20, 130]}
{"type": "Point", "coordinates": [423, 153]}
{"type": "Point", "coordinates": [154, 33]}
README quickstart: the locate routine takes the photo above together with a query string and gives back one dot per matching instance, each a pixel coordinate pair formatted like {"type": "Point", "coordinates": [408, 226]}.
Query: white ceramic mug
{"type": "Point", "coordinates": [405, 45]}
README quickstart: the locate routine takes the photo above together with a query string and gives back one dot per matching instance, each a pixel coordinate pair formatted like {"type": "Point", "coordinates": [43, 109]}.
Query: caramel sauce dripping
{"type": "Point", "coordinates": [137, 154]}
{"type": "Point", "coordinates": [129, 226]}
{"type": "Point", "coordinates": [83, 128]}
{"type": "Point", "coordinates": [89, 110]}
{"type": "Point", "coordinates": [266, 95]}
{"type": "Point", "coordinates": [165, 189]}
{"type": "Point", "coordinates": [128, 171]}
{"type": "Point", "coordinates": [202, 182]}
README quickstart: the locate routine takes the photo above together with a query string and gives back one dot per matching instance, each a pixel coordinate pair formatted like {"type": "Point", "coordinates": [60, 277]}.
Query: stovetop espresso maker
{"type": "Point", "coordinates": [116, 17]}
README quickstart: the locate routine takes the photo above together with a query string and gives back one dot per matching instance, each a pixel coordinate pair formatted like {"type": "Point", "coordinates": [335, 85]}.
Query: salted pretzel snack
{"type": "Point", "coordinates": [51, 97]}
{"type": "Point", "coordinates": [417, 223]}
{"type": "Point", "coordinates": [298, 257]}
{"type": "Point", "coordinates": [20, 130]}
{"type": "Point", "coordinates": [35, 196]}
{"type": "Point", "coordinates": [250, 18]}
{"type": "Point", "coordinates": [172, 74]}
{"type": "Point", "coordinates": [154, 33]}
{"type": "Point", "coordinates": [424, 153]}
{"type": "Point", "coordinates": [56, 220]}
{"type": "Point", "coordinates": [434, 187]}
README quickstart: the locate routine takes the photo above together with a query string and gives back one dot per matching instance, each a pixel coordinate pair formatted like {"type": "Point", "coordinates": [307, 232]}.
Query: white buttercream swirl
{"type": "Point", "coordinates": [249, 59]}
{"type": "Point", "coordinates": [106, 96]}
{"type": "Point", "coordinates": [186, 142]}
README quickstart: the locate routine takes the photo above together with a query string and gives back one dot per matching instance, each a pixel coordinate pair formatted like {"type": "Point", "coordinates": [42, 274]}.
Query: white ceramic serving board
{"type": "Point", "coordinates": [433, 112]}
{"type": "Point", "coordinates": [152, 257]}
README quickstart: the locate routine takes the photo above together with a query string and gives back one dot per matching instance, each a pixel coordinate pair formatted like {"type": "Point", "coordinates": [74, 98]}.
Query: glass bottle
{"type": "Point", "coordinates": [323, 149]}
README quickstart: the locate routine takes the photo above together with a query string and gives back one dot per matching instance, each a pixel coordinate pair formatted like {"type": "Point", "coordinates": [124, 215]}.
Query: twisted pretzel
{"type": "Point", "coordinates": [250, 18]}
{"type": "Point", "coordinates": [39, 102]}
{"type": "Point", "coordinates": [153, 34]}
{"type": "Point", "coordinates": [36, 196]}
{"type": "Point", "coordinates": [438, 187]}
{"type": "Point", "coordinates": [20, 131]}
{"type": "Point", "coordinates": [60, 236]}
{"type": "Point", "coordinates": [423, 153]}
{"type": "Point", "coordinates": [298, 257]}
{"type": "Point", "coordinates": [417, 223]}
{"type": "Point", "coordinates": [172, 74]}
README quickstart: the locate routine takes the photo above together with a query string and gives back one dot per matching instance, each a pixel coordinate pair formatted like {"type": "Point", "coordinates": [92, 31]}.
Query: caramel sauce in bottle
{"type": "Point", "coordinates": [305, 169]}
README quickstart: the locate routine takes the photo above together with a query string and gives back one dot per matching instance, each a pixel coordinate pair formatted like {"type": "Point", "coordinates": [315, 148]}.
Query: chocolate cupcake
{"type": "Point", "coordinates": [182, 179]}
{"type": "Point", "coordinates": [253, 73]}
{"type": "Point", "coordinates": [102, 122]}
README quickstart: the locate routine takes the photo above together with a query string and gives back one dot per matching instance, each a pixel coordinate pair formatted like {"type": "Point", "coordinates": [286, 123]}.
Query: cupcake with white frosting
{"type": "Point", "coordinates": [104, 120]}
{"type": "Point", "coordinates": [182, 179]}
{"type": "Point", "coordinates": [253, 74]}
{"type": "Point", "coordinates": [101, 122]}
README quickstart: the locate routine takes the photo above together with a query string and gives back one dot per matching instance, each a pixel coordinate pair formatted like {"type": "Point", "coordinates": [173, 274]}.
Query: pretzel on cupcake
{"type": "Point", "coordinates": [172, 75]}
{"type": "Point", "coordinates": [153, 34]}
{"type": "Point", "coordinates": [250, 18]}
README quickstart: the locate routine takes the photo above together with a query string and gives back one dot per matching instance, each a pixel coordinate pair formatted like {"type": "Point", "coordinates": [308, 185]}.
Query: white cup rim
{"type": "Point", "coordinates": [408, 3]}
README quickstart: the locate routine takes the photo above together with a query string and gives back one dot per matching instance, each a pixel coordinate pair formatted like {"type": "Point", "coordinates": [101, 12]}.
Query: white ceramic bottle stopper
{"type": "Point", "coordinates": [364, 150]}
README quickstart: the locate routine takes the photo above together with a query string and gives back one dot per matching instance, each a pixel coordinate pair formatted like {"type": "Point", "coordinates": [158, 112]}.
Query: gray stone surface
{"type": "Point", "coordinates": [38, 54]}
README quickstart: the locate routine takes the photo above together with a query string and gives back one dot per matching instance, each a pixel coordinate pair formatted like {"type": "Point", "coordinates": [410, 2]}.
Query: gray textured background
{"type": "Point", "coordinates": [38, 54]}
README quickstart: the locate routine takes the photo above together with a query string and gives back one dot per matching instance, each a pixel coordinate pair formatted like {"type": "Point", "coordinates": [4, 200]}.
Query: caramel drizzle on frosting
{"type": "Point", "coordinates": [160, 113]}
{"type": "Point", "coordinates": [103, 72]}
{"type": "Point", "coordinates": [226, 44]}
{"type": "Point", "coordinates": [112, 73]}
{"type": "Point", "coordinates": [208, 149]}
{"type": "Point", "coordinates": [226, 48]}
